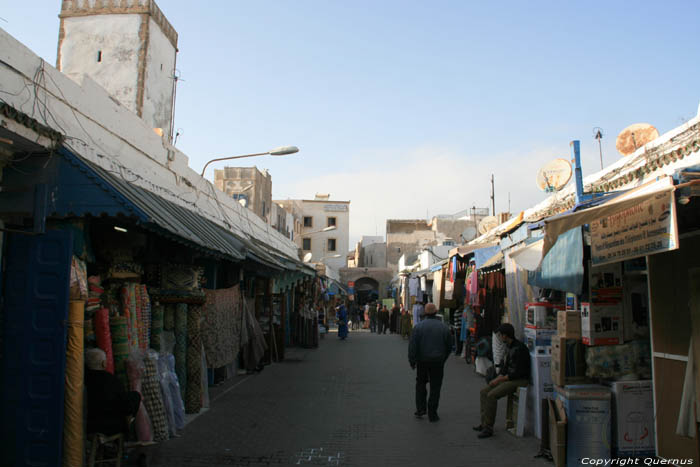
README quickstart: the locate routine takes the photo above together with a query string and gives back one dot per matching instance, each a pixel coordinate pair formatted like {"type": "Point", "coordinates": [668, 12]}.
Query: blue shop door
{"type": "Point", "coordinates": [37, 275]}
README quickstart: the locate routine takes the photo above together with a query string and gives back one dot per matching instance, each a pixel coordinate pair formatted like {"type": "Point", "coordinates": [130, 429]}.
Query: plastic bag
{"type": "Point", "coordinates": [173, 388]}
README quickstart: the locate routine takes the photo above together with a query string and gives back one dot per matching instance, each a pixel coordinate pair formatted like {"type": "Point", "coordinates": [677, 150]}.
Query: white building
{"type": "Point", "coordinates": [129, 49]}
{"type": "Point", "coordinates": [329, 247]}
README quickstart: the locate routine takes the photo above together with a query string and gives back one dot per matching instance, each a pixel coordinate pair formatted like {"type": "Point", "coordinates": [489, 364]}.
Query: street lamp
{"type": "Point", "coordinates": [321, 259]}
{"type": "Point", "coordinates": [327, 229]}
{"type": "Point", "coordinates": [280, 151]}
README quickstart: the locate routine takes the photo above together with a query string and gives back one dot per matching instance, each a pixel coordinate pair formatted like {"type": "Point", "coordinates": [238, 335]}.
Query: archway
{"type": "Point", "coordinates": [366, 290]}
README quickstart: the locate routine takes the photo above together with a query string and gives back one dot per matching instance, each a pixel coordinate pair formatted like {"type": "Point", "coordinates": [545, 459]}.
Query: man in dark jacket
{"type": "Point", "coordinates": [428, 349]}
{"type": "Point", "coordinates": [514, 373]}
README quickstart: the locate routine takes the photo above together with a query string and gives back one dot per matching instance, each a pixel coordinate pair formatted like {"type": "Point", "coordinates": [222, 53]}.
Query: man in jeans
{"type": "Point", "coordinates": [428, 349]}
{"type": "Point", "coordinates": [514, 373]}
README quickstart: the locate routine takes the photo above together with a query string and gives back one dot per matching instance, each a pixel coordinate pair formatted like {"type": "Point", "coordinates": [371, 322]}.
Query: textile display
{"type": "Point", "coordinates": [153, 399]}
{"type": "Point", "coordinates": [135, 369]}
{"type": "Point", "coordinates": [181, 277]}
{"type": "Point", "coordinates": [78, 280]}
{"type": "Point", "coordinates": [157, 326]}
{"type": "Point", "coordinates": [254, 345]}
{"type": "Point", "coordinates": [193, 394]}
{"type": "Point", "coordinates": [221, 326]}
{"type": "Point", "coordinates": [75, 380]}
{"type": "Point", "coordinates": [181, 346]}
{"type": "Point", "coordinates": [519, 292]}
{"type": "Point", "coordinates": [104, 337]}
{"type": "Point", "coordinates": [120, 346]}
{"type": "Point", "coordinates": [144, 317]}
{"type": "Point", "coordinates": [170, 389]}
{"type": "Point", "coordinates": [494, 294]}
{"type": "Point", "coordinates": [169, 317]}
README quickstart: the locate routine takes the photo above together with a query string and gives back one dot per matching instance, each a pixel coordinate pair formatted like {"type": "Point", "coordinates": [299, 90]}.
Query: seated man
{"type": "Point", "coordinates": [514, 373]}
{"type": "Point", "coordinates": [108, 404]}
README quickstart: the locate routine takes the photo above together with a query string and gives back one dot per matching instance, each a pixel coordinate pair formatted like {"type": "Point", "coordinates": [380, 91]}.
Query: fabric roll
{"type": "Point", "coordinates": [104, 337]}
{"type": "Point", "coordinates": [146, 314]}
{"type": "Point", "coordinates": [153, 399]}
{"type": "Point", "coordinates": [169, 317]}
{"type": "Point", "coordinates": [193, 399]}
{"type": "Point", "coordinates": [181, 346]}
{"type": "Point", "coordinates": [134, 309]}
{"type": "Point", "coordinates": [135, 371]}
{"type": "Point", "coordinates": [73, 402]}
{"type": "Point", "coordinates": [156, 327]}
{"type": "Point", "coordinates": [120, 346]}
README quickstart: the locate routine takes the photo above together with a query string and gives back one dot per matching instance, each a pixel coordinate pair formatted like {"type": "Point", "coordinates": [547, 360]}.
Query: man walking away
{"type": "Point", "coordinates": [428, 349]}
{"type": "Point", "coordinates": [383, 320]}
{"type": "Point", "coordinates": [514, 373]}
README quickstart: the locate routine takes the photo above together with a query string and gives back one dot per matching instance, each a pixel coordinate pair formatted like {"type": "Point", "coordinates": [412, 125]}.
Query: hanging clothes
{"type": "Point", "coordinates": [413, 284]}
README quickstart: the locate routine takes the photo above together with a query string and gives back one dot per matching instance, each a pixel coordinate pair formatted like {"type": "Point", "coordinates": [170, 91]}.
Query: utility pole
{"type": "Point", "coordinates": [493, 198]}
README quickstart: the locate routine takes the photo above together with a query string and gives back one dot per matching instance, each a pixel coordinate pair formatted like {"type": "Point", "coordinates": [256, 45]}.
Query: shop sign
{"type": "Point", "coordinates": [648, 228]}
{"type": "Point", "coordinates": [335, 207]}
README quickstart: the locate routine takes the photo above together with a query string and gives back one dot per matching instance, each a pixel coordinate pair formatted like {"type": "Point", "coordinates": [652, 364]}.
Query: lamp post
{"type": "Point", "coordinates": [327, 229]}
{"type": "Point", "coordinates": [280, 151]}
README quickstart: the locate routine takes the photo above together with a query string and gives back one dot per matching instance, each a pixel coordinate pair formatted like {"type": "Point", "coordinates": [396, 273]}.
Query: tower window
{"type": "Point", "coordinates": [99, 55]}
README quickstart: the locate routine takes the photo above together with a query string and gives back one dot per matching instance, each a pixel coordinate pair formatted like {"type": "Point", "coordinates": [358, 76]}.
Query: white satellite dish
{"type": "Point", "coordinates": [635, 136]}
{"type": "Point", "coordinates": [307, 257]}
{"type": "Point", "coordinates": [487, 223]}
{"type": "Point", "coordinates": [554, 175]}
{"type": "Point", "coordinates": [469, 233]}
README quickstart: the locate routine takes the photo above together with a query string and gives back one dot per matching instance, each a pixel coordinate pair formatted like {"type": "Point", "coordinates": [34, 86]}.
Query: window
{"type": "Point", "coordinates": [331, 222]}
{"type": "Point", "coordinates": [331, 244]}
{"type": "Point", "coordinates": [308, 221]}
{"type": "Point", "coordinates": [306, 244]}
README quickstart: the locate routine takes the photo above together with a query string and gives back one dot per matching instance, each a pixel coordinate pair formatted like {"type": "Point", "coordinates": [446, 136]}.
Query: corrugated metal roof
{"type": "Point", "coordinates": [158, 212]}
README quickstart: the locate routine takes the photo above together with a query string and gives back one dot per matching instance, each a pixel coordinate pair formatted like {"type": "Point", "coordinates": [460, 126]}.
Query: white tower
{"type": "Point", "coordinates": [128, 47]}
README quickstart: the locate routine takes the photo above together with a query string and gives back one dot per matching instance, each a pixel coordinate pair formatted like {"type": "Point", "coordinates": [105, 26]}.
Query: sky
{"type": "Point", "coordinates": [406, 108]}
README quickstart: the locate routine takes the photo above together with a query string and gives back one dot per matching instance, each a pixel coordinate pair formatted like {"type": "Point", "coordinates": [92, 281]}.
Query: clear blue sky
{"type": "Point", "coordinates": [406, 107]}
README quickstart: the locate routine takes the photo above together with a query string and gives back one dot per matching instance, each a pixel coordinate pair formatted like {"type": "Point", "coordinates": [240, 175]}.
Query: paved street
{"type": "Point", "coordinates": [345, 403]}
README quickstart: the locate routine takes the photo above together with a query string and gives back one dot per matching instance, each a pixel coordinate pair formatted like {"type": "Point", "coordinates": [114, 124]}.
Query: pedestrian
{"type": "Point", "coordinates": [383, 320]}
{"type": "Point", "coordinates": [428, 349]}
{"type": "Point", "coordinates": [342, 314]}
{"type": "Point", "coordinates": [394, 319]}
{"type": "Point", "coordinates": [457, 329]}
{"type": "Point", "coordinates": [355, 316]}
{"type": "Point", "coordinates": [373, 317]}
{"type": "Point", "coordinates": [365, 321]}
{"type": "Point", "coordinates": [405, 323]}
{"type": "Point", "coordinates": [514, 373]}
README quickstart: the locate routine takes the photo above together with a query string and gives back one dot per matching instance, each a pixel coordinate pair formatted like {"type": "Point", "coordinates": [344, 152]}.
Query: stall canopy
{"type": "Point", "coordinates": [562, 267]}
{"type": "Point", "coordinates": [482, 255]}
{"type": "Point", "coordinates": [557, 225]}
{"type": "Point", "coordinates": [464, 250]}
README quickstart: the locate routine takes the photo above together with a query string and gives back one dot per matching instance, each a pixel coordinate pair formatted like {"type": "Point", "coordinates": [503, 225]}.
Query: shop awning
{"type": "Point", "coordinates": [118, 196]}
{"type": "Point", "coordinates": [482, 255]}
{"type": "Point", "coordinates": [493, 261]}
{"type": "Point", "coordinates": [562, 267]}
{"type": "Point", "coordinates": [438, 266]}
{"type": "Point", "coordinates": [464, 250]}
{"type": "Point", "coordinates": [557, 225]}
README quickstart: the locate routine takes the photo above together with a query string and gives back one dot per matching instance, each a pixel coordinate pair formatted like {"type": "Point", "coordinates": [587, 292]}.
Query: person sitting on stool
{"type": "Point", "coordinates": [108, 404]}
{"type": "Point", "coordinates": [514, 373]}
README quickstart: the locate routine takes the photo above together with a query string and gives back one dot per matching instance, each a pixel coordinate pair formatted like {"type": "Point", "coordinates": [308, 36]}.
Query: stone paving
{"type": "Point", "coordinates": [346, 403]}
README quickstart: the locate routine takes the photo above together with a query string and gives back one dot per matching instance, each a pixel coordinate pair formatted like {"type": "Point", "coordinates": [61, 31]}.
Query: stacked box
{"type": "Point", "coordinates": [541, 315]}
{"type": "Point", "coordinates": [601, 324]}
{"type": "Point", "coordinates": [588, 428]}
{"type": "Point", "coordinates": [557, 432]}
{"type": "Point", "coordinates": [568, 360]}
{"type": "Point", "coordinates": [541, 388]}
{"type": "Point", "coordinates": [633, 419]}
{"type": "Point", "coordinates": [569, 324]}
{"type": "Point", "coordinates": [538, 341]}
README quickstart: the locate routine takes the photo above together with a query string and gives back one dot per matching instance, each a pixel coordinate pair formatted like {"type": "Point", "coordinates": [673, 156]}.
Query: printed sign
{"type": "Point", "coordinates": [645, 229]}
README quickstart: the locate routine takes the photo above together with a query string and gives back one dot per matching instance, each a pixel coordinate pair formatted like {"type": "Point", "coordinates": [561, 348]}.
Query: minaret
{"type": "Point", "coordinates": [128, 47]}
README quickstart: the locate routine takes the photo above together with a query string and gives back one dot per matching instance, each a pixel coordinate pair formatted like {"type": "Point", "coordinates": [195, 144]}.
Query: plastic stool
{"type": "Point", "coordinates": [98, 440]}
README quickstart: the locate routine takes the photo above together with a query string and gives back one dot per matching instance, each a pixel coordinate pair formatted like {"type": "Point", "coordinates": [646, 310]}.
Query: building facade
{"type": "Point", "coordinates": [318, 215]}
{"type": "Point", "coordinates": [129, 48]}
{"type": "Point", "coordinates": [249, 185]}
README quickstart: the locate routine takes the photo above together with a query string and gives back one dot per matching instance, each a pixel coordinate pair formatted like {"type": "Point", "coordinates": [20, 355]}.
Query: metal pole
{"type": "Point", "coordinates": [578, 174]}
{"type": "Point", "coordinates": [493, 198]}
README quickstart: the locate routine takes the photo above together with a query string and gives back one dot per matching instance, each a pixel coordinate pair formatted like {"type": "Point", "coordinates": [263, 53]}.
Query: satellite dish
{"type": "Point", "coordinates": [635, 136]}
{"type": "Point", "coordinates": [307, 257]}
{"type": "Point", "coordinates": [469, 233]}
{"type": "Point", "coordinates": [487, 223]}
{"type": "Point", "coordinates": [554, 175]}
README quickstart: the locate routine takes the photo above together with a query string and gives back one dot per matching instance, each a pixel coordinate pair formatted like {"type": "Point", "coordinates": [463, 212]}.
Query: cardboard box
{"type": "Point", "coordinates": [541, 315]}
{"type": "Point", "coordinates": [557, 432]}
{"type": "Point", "coordinates": [538, 341]}
{"type": "Point", "coordinates": [569, 324]}
{"type": "Point", "coordinates": [601, 324]}
{"type": "Point", "coordinates": [633, 419]}
{"type": "Point", "coordinates": [541, 388]}
{"type": "Point", "coordinates": [568, 361]}
{"type": "Point", "coordinates": [588, 421]}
